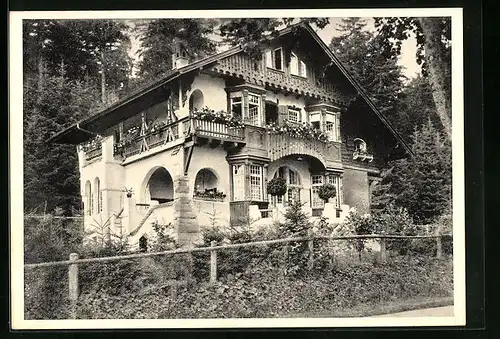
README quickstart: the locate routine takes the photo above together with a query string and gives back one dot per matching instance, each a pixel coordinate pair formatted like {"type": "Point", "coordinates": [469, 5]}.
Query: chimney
{"type": "Point", "coordinates": [180, 57]}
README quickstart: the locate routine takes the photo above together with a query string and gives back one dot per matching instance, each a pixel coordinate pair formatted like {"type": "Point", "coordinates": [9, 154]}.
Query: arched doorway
{"type": "Point", "coordinates": [160, 186]}
{"type": "Point", "coordinates": [196, 100]}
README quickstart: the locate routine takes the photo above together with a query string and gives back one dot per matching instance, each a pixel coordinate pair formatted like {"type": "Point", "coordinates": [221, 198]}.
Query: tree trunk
{"type": "Point", "coordinates": [103, 78]}
{"type": "Point", "coordinates": [438, 68]}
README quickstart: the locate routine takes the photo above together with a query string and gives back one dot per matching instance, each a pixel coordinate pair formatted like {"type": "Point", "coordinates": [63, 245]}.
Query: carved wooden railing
{"type": "Point", "coordinates": [217, 130]}
{"type": "Point", "coordinates": [281, 145]}
{"type": "Point", "coordinates": [93, 152]}
{"type": "Point", "coordinates": [242, 65]}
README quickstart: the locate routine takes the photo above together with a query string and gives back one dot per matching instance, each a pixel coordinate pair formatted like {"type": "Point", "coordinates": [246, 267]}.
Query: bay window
{"type": "Point", "coordinates": [254, 116]}
{"type": "Point", "coordinates": [237, 106]}
{"type": "Point", "coordinates": [336, 181]}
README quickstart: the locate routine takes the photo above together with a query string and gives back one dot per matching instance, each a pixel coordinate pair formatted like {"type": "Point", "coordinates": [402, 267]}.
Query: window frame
{"type": "Point", "coordinates": [294, 110]}
{"type": "Point", "coordinates": [271, 60]}
{"type": "Point", "coordinates": [259, 182]}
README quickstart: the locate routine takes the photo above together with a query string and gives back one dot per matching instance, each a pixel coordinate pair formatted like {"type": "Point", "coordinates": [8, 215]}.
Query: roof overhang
{"type": "Point", "coordinates": [134, 103]}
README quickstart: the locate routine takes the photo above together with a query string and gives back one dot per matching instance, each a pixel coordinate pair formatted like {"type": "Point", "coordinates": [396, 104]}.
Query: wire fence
{"type": "Point", "coordinates": [63, 282]}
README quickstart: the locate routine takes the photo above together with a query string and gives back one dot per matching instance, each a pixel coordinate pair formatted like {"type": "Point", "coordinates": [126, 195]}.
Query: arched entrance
{"type": "Point", "coordinates": [160, 186]}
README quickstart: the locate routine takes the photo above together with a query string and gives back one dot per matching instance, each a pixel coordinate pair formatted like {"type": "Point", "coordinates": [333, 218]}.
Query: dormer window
{"type": "Point", "coordinates": [274, 59]}
{"type": "Point", "coordinates": [297, 66]}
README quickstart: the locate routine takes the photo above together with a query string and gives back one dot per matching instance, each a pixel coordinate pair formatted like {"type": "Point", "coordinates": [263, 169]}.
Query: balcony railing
{"type": "Point", "coordinates": [217, 130]}
{"type": "Point", "coordinates": [93, 152]}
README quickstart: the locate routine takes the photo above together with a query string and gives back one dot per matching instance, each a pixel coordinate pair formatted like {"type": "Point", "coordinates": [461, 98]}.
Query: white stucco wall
{"type": "Point", "coordinates": [214, 95]}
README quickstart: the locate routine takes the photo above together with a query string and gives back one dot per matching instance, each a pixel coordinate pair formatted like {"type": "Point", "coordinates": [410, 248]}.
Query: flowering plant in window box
{"type": "Point", "coordinates": [211, 194]}
{"type": "Point", "coordinates": [207, 114]}
{"type": "Point", "coordinates": [297, 130]}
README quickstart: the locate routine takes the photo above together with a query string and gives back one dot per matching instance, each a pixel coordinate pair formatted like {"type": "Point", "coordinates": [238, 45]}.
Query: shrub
{"type": "Point", "coordinates": [327, 191]}
{"type": "Point", "coordinates": [360, 225]}
{"type": "Point", "coordinates": [276, 186]}
{"type": "Point", "coordinates": [395, 220]}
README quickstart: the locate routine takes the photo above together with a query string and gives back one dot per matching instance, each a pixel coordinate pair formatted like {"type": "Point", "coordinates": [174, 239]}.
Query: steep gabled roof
{"type": "Point", "coordinates": [130, 105]}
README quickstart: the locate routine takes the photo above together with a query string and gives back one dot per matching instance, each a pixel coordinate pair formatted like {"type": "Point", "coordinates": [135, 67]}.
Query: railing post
{"type": "Point", "coordinates": [213, 263]}
{"type": "Point", "coordinates": [439, 247]}
{"type": "Point", "coordinates": [73, 284]}
{"type": "Point", "coordinates": [310, 247]}
{"type": "Point", "coordinates": [383, 250]}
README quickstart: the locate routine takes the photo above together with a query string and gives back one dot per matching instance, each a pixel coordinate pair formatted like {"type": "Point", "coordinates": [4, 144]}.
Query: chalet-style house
{"type": "Point", "coordinates": [197, 147]}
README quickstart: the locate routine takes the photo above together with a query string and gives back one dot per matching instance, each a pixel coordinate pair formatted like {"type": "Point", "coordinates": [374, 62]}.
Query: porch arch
{"type": "Point", "coordinates": [158, 185]}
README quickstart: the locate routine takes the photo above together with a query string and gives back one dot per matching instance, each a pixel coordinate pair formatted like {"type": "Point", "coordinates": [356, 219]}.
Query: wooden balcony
{"type": "Point", "coordinates": [241, 65]}
{"type": "Point", "coordinates": [93, 152]}
{"type": "Point", "coordinates": [215, 130]}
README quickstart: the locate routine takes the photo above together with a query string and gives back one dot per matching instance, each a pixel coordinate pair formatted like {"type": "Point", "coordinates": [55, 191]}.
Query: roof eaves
{"type": "Point", "coordinates": [357, 86]}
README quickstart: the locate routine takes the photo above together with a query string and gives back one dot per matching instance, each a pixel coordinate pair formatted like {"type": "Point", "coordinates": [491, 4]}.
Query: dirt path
{"type": "Point", "coordinates": [446, 311]}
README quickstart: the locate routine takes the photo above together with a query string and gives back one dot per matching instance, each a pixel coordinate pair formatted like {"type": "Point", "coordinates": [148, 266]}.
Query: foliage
{"type": "Point", "coordinates": [51, 170]}
{"type": "Point", "coordinates": [297, 224]}
{"type": "Point", "coordinates": [297, 130]}
{"type": "Point", "coordinates": [381, 77]}
{"type": "Point", "coordinates": [276, 186]}
{"type": "Point", "coordinates": [211, 195]}
{"type": "Point", "coordinates": [361, 225]}
{"type": "Point", "coordinates": [327, 191]}
{"type": "Point", "coordinates": [433, 36]}
{"type": "Point", "coordinates": [207, 114]}
{"type": "Point", "coordinates": [253, 33]}
{"type": "Point", "coordinates": [422, 184]}
{"type": "Point", "coordinates": [395, 220]}
{"type": "Point", "coordinates": [264, 292]}
{"type": "Point", "coordinates": [159, 38]}
{"type": "Point", "coordinates": [80, 48]}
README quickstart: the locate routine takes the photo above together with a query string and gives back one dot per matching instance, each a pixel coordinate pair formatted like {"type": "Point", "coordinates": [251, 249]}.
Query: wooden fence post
{"type": "Point", "coordinates": [74, 289]}
{"type": "Point", "coordinates": [439, 247]}
{"type": "Point", "coordinates": [310, 247]}
{"type": "Point", "coordinates": [213, 263]}
{"type": "Point", "coordinates": [383, 250]}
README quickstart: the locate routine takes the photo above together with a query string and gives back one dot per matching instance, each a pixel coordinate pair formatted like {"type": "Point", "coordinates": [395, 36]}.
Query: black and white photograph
{"type": "Point", "coordinates": [217, 169]}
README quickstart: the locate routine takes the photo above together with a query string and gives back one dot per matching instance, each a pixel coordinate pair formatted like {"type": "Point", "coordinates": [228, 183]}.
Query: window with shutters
{"type": "Point", "coordinates": [256, 182]}
{"type": "Point", "coordinates": [297, 66]}
{"type": "Point", "coordinates": [274, 59]}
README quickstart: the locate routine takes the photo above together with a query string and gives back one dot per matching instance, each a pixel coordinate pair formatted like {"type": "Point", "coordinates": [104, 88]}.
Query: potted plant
{"type": "Point", "coordinates": [326, 192]}
{"type": "Point", "coordinates": [276, 187]}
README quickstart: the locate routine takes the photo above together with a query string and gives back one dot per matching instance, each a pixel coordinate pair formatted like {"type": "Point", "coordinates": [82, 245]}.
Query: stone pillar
{"type": "Point", "coordinates": [185, 222]}
{"type": "Point", "coordinates": [107, 145]}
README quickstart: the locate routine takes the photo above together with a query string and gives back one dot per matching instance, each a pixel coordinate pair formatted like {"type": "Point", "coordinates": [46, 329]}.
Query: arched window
{"type": "Point", "coordinates": [98, 195]}
{"type": "Point", "coordinates": [206, 185]}
{"type": "Point", "coordinates": [360, 145]}
{"type": "Point", "coordinates": [196, 100]}
{"type": "Point", "coordinates": [88, 198]}
{"type": "Point", "coordinates": [293, 183]}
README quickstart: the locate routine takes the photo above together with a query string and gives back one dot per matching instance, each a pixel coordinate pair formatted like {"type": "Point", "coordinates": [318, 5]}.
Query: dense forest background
{"type": "Point", "coordinates": [74, 68]}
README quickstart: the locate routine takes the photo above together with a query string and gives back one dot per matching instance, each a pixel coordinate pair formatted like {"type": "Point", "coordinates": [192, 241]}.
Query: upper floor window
{"type": "Point", "coordinates": [294, 114]}
{"type": "Point", "coordinates": [274, 59]}
{"type": "Point", "coordinates": [297, 66]}
{"type": "Point", "coordinates": [254, 109]}
{"type": "Point", "coordinates": [237, 106]}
